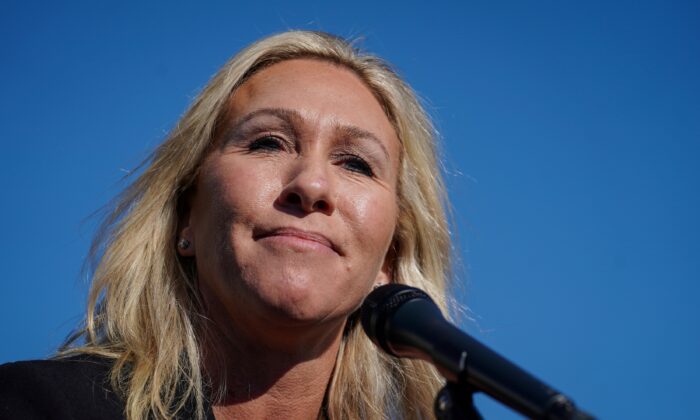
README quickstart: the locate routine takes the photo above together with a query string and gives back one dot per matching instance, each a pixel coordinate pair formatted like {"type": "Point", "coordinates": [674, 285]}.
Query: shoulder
{"type": "Point", "coordinates": [76, 388]}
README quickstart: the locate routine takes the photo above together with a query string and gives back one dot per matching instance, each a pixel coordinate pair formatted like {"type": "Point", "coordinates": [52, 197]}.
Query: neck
{"type": "Point", "coordinates": [285, 376]}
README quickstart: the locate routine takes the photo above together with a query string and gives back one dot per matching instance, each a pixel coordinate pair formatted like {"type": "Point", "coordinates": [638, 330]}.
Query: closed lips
{"type": "Point", "coordinates": [298, 233]}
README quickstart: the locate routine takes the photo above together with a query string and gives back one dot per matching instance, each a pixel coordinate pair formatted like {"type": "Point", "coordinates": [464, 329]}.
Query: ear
{"type": "Point", "coordinates": [386, 274]}
{"type": "Point", "coordinates": [184, 242]}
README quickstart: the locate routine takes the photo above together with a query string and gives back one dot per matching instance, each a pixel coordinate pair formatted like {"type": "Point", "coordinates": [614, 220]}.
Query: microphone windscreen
{"type": "Point", "coordinates": [380, 305]}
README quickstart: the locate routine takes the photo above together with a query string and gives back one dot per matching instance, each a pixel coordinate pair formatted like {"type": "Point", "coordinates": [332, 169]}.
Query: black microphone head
{"type": "Point", "coordinates": [380, 305]}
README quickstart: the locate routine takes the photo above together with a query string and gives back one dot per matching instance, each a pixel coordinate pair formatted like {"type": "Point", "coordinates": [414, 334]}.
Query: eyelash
{"type": "Point", "coordinates": [266, 143]}
{"type": "Point", "coordinates": [356, 164]}
{"type": "Point", "coordinates": [350, 161]}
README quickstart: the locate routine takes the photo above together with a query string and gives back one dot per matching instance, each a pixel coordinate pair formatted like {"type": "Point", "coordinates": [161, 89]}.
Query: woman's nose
{"type": "Point", "coordinates": [309, 188]}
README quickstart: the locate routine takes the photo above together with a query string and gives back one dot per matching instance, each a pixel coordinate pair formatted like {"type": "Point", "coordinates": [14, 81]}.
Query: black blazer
{"type": "Point", "coordinates": [77, 389]}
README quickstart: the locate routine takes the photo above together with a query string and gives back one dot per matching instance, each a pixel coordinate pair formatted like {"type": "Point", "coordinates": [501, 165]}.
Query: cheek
{"type": "Point", "coordinates": [228, 199]}
{"type": "Point", "coordinates": [373, 220]}
{"type": "Point", "coordinates": [243, 190]}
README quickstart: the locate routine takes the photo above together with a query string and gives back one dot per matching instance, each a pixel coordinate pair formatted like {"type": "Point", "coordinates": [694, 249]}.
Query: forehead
{"type": "Point", "coordinates": [321, 92]}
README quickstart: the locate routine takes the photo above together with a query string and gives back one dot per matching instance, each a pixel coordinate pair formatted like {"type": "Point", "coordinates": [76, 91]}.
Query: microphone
{"type": "Point", "coordinates": [405, 322]}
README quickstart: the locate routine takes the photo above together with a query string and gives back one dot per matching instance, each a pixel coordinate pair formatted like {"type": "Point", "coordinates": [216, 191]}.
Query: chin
{"type": "Point", "coordinates": [301, 302]}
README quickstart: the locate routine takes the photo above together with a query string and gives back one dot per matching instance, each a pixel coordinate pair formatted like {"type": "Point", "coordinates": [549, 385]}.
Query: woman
{"type": "Point", "coordinates": [229, 274]}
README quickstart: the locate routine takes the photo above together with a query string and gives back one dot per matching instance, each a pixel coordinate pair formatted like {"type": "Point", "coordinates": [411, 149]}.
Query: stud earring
{"type": "Point", "coordinates": [183, 243]}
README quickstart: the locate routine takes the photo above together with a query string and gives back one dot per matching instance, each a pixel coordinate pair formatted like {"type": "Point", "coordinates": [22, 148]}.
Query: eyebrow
{"type": "Point", "coordinates": [291, 116]}
{"type": "Point", "coordinates": [287, 115]}
{"type": "Point", "coordinates": [352, 131]}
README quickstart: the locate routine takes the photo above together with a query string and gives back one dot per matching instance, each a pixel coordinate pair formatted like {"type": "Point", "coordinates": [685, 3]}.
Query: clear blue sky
{"type": "Point", "coordinates": [571, 135]}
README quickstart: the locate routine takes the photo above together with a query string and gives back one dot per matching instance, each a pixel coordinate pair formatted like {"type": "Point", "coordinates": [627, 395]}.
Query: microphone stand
{"type": "Point", "coordinates": [405, 322]}
{"type": "Point", "coordinates": [456, 402]}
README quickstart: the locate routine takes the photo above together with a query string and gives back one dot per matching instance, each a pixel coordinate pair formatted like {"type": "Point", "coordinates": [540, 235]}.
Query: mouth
{"type": "Point", "coordinates": [296, 237]}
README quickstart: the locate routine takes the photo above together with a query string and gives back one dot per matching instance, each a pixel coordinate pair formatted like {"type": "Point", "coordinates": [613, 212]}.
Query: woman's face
{"type": "Point", "coordinates": [295, 208]}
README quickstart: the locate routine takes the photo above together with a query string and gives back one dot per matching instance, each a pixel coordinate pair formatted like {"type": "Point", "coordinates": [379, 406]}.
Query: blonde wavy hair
{"type": "Point", "coordinates": [144, 310]}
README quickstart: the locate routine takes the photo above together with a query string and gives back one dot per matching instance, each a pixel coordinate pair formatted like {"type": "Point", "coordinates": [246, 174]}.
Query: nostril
{"type": "Point", "coordinates": [293, 198]}
{"type": "Point", "coordinates": [305, 199]}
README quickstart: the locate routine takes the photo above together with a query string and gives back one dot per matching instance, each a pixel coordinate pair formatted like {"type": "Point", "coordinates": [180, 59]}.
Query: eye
{"type": "Point", "coordinates": [357, 164]}
{"type": "Point", "coordinates": [266, 143]}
